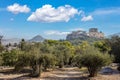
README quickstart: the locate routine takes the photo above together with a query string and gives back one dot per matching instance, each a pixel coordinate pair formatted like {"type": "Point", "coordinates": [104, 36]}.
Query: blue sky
{"type": "Point", "coordinates": [54, 19]}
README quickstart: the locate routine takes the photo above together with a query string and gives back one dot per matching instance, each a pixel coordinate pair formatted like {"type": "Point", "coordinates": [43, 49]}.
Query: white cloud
{"type": "Point", "coordinates": [87, 18]}
{"type": "Point", "coordinates": [16, 8]}
{"type": "Point", "coordinates": [76, 29]}
{"type": "Point", "coordinates": [106, 11]}
{"type": "Point", "coordinates": [48, 13]}
{"type": "Point", "coordinates": [53, 32]}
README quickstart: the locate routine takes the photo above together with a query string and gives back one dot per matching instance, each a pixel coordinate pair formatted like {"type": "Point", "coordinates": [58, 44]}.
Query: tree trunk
{"type": "Point", "coordinates": [36, 71]}
{"type": "Point", "coordinates": [61, 64]}
{"type": "Point", "coordinates": [92, 72]}
{"type": "Point", "coordinates": [40, 69]}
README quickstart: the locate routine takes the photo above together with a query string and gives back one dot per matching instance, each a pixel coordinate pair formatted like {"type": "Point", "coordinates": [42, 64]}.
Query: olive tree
{"type": "Point", "coordinates": [35, 58]}
{"type": "Point", "coordinates": [94, 60]}
{"type": "Point", "coordinates": [9, 58]}
{"type": "Point", "coordinates": [49, 61]}
{"type": "Point", "coordinates": [102, 46]}
{"type": "Point", "coordinates": [64, 51]}
{"type": "Point", "coordinates": [114, 43]}
{"type": "Point", "coordinates": [30, 56]}
{"type": "Point", "coordinates": [76, 61]}
{"type": "Point", "coordinates": [1, 60]}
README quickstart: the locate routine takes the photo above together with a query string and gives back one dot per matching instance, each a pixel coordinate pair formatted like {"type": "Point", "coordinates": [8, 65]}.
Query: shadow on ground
{"type": "Point", "coordinates": [25, 77]}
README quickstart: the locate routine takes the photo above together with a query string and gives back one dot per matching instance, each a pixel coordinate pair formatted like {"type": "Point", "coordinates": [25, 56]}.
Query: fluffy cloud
{"type": "Point", "coordinates": [53, 32]}
{"type": "Point", "coordinates": [16, 8]}
{"type": "Point", "coordinates": [87, 18]}
{"type": "Point", "coordinates": [48, 13]}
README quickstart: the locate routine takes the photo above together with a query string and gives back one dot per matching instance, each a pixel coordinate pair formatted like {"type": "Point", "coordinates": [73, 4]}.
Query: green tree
{"type": "Point", "coordinates": [1, 60]}
{"type": "Point", "coordinates": [15, 45]}
{"type": "Point", "coordinates": [102, 46]}
{"type": "Point", "coordinates": [1, 48]}
{"type": "Point", "coordinates": [10, 58]}
{"type": "Point", "coordinates": [64, 51]}
{"type": "Point", "coordinates": [51, 42]}
{"type": "Point", "coordinates": [94, 60]}
{"type": "Point", "coordinates": [76, 61]}
{"type": "Point", "coordinates": [22, 61]}
{"type": "Point", "coordinates": [29, 56]}
{"type": "Point", "coordinates": [33, 57]}
{"type": "Point", "coordinates": [79, 49]}
{"type": "Point", "coordinates": [49, 61]}
{"type": "Point", "coordinates": [114, 43]}
{"type": "Point", "coordinates": [22, 45]}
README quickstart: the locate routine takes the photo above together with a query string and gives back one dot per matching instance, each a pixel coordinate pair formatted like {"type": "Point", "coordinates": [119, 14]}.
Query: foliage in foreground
{"type": "Point", "coordinates": [94, 60]}
{"type": "Point", "coordinates": [114, 43]}
{"type": "Point", "coordinates": [52, 53]}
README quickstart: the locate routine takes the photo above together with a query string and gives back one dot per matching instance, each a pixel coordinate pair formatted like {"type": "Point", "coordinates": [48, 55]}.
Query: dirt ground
{"type": "Point", "coordinates": [61, 74]}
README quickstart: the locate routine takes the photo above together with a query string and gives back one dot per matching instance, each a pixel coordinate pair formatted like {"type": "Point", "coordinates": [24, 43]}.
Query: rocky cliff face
{"type": "Point", "coordinates": [93, 33]}
{"type": "Point", "coordinates": [76, 35]}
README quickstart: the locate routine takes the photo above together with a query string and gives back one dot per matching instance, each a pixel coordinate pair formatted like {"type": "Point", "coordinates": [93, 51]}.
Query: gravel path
{"type": "Point", "coordinates": [61, 74]}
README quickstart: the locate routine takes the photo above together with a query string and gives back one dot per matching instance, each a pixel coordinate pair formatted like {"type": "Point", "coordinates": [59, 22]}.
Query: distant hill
{"type": "Point", "coordinates": [37, 38]}
{"type": "Point", "coordinates": [12, 41]}
{"type": "Point", "coordinates": [116, 34]}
